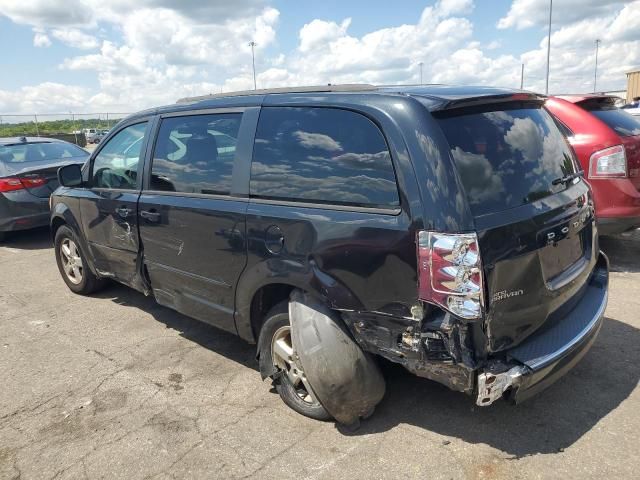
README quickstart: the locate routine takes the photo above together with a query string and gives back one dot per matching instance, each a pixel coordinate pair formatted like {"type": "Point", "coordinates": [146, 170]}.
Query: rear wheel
{"type": "Point", "coordinates": [72, 263]}
{"type": "Point", "coordinates": [290, 381]}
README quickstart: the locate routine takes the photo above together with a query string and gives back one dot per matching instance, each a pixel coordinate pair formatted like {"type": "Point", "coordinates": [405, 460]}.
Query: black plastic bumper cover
{"type": "Point", "coordinates": [554, 351]}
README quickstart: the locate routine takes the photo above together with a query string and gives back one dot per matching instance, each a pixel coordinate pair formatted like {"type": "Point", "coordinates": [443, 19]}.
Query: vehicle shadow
{"type": "Point", "coordinates": [219, 341]}
{"type": "Point", "coordinates": [35, 239]}
{"type": "Point", "coordinates": [548, 423]}
{"type": "Point", "coordinates": [623, 251]}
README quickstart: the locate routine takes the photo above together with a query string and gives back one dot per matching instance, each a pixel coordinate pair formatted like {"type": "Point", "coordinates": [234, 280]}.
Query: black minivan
{"type": "Point", "coordinates": [446, 229]}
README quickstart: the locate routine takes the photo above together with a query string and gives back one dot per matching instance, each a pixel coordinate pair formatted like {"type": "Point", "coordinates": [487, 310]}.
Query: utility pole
{"type": "Point", "coordinates": [73, 126]}
{"type": "Point", "coordinates": [549, 45]}
{"type": "Point", "coordinates": [421, 65]}
{"type": "Point", "coordinates": [522, 77]}
{"type": "Point", "coordinates": [253, 44]}
{"type": "Point", "coordinates": [595, 73]}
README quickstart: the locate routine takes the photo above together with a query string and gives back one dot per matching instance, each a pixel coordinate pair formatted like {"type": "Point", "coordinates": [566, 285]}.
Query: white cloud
{"type": "Point", "coordinates": [40, 38]}
{"type": "Point", "coordinates": [86, 13]}
{"type": "Point", "coordinates": [573, 53]}
{"type": "Point", "coordinates": [319, 32]}
{"type": "Point", "coordinates": [38, 99]}
{"type": "Point", "coordinates": [75, 38]}
{"type": "Point", "coordinates": [163, 50]}
{"type": "Point", "coordinates": [47, 13]}
{"type": "Point", "coordinates": [529, 13]}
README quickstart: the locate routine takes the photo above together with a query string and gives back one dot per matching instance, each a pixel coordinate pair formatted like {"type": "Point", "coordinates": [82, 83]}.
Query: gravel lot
{"type": "Point", "coordinates": [116, 386]}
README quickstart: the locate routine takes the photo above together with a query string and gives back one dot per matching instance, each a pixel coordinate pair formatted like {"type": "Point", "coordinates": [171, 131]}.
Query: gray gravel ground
{"type": "Point", "coordinates": [115, 386]}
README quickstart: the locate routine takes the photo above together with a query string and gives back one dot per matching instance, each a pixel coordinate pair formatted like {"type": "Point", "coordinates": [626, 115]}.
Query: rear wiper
{"type": "Point", "coordinates": [568, 178]}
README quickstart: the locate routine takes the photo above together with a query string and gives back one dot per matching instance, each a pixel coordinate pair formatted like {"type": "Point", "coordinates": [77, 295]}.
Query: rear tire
{"type": "Point", "coordinates": [275, 335]}
{"type": "Point", "coordinates": [72, 263]}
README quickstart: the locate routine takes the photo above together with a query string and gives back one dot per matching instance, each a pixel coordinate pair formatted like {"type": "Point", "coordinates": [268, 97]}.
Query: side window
{"type": "Point", "coordinates": [116, 166]}
{"type": "Point", "coordinates": [194, 154]}
{"type": "Point", "coordinates": [322, 155]}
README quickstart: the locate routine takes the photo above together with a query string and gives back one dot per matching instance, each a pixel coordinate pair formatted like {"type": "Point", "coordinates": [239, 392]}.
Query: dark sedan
{"type": "Point", "coordinates": [28, 175]}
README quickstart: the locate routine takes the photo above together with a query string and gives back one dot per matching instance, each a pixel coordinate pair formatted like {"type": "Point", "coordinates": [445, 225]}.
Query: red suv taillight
{"type": "Point", "coordinates": [608, 163]}
{"type": "Point", "coordinates": [13, 183]}
{"type": "Point", "coordinates": [450, 272]}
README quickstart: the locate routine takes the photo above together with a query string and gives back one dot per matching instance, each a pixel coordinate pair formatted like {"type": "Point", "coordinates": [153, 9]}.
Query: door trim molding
{"type": "Point", "coordinates": [161, 266]}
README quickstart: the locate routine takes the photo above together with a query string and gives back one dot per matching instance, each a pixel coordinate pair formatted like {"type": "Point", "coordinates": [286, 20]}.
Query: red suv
{"type": "Point", "coordinates": [606, 139]}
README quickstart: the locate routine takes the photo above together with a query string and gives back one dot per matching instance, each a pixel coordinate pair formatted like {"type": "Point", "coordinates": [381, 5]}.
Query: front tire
{"type": "Point", "coordinates": [72, 263]}
{"type": "Point", "coordinates": [289, 379]}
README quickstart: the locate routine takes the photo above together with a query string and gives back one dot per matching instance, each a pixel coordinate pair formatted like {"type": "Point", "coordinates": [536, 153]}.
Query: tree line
{"type": "Point", "coordinates": [53, 126]}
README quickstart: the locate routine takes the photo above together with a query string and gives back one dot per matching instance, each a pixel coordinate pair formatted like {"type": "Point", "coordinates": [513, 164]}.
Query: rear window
{"type": "Point", "coordinates": [38, 152]}
{"type": "Point", "coordinates": [507, 158]}
{"type": "Point", "coordinates": [623, 123]}
{"type": "Point", "coordinates": [322, 155]}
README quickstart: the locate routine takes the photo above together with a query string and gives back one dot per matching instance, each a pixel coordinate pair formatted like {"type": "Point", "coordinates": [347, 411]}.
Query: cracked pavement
{"type": "Point", "coordinates": [115, 386]}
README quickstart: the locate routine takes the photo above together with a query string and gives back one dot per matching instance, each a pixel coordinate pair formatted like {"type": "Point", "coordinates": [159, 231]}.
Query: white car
{"type": "Point", "coordinates": [635, 111]}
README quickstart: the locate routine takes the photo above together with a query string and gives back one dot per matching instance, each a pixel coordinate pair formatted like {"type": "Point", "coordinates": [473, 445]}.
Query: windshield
{"type": "Point", "coordinates": [507, 158]}
{"type": "Point", "coordinates": [38, 152]}
{"type": "Point", "coordinates": [623, 123]}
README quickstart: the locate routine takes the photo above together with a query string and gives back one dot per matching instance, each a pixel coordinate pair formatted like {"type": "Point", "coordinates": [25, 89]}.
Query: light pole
{"type": "Point", "coordinates": [595, 73]}
{"type": "Point", "coordinates": [421, 65]}
{"type": "Point", "coordinates": [252, 44]}
{"type": "Point", "coordinates": [549, 45]}
{"type": "Point", "coordinates": [522, 77]}
{"type": "Point", "coordinates": [73, 126]}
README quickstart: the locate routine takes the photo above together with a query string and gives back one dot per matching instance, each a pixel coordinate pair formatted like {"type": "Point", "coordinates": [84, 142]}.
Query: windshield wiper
{"type": "Point", "coordinates": [568, 178]}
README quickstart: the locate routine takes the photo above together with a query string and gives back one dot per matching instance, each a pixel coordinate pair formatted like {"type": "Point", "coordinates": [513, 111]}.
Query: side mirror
{"type": "Point", "coordinates": [70, 175]}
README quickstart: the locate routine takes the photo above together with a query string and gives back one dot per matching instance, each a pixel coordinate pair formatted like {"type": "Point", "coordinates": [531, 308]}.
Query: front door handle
{"type": "Point", "coordinates": [124, 212]}
{"type": "Point", "coordinates": [150, 215]}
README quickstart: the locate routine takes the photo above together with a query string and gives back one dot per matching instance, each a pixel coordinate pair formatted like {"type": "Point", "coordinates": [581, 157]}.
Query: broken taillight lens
{"type": "Point", "coordinates": [450, 272]}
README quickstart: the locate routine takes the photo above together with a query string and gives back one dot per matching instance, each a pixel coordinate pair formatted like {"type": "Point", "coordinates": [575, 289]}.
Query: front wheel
{"type": "Point", "coordinates": [72, 263]}
{"type": "Point", "coordinates": [289, 380]}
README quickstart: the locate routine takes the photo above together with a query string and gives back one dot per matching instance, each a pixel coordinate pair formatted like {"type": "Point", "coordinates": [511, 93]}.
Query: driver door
{"type": "Point", "coordinates": [110, 209]}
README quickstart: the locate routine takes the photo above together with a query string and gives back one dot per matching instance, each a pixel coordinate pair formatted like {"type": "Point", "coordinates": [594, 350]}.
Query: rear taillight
{"type": "Point", "coordinates": [10, 184]}
{"type": "Point", "coordinates": [14, 183]}
{"type": "Point", "coordinates": [32, 182]}
{"type": "Point", "coordinates": [450, 272]}
{"type": "Point", "coordinates": [608, 163]}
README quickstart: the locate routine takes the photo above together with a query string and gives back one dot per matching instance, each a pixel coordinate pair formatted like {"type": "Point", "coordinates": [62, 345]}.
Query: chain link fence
{"type": "Point", "coordinates": [69, 126]}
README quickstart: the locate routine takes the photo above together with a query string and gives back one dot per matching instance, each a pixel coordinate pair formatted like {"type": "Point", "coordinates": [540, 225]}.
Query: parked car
{"type": "Point", "coordinates": [631, 110]}
{"type": "Point", "coordinates": [606, 140]}
{"type": "Point", "coordinates": [446, 229]}
{"type": "Point", "coordinates": [28, 167]}
{"type": "Point", "coordinates": [99, 136]}
{"type": "Point", "coordinates": [90, 134]}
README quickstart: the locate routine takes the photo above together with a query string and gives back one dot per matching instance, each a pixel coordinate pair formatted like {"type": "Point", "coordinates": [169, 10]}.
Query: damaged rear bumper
{"type": "Point", "coordinates": [442, 348]}
{"type": "Point", "coordinates": [550, 353]}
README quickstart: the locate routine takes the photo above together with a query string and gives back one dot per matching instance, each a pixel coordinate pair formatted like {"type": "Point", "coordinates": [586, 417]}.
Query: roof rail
{"type": "Point", "coordinates": [346, 87]}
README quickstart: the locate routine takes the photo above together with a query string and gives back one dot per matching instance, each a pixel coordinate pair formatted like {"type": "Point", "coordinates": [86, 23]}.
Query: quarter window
{"type": "Point", "coordinates": [322, 155]}
{"type": "Point", "coordinates": [194, 154]}
{"type": "Point", "coordinates": [116, 166]}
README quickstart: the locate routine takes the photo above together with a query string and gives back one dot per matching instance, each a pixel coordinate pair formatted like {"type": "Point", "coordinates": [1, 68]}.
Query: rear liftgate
{"type": "Point", "coordinates": [345, 379]}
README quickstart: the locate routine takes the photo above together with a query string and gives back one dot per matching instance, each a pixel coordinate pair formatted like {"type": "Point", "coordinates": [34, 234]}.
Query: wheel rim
{"type": "Point", "coordinates": [286, 360]}
{"type": "Point", "coordinates": [71, 261]}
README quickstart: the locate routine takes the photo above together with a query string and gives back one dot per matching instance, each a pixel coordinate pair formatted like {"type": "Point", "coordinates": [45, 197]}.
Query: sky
{"type": "Point", "coordinates": [121, 56]}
